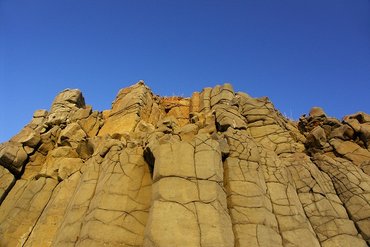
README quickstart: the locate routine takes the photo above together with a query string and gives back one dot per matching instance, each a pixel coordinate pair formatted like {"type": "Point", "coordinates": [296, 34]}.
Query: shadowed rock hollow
{"type": "Point", "coordinates": [217, 169]}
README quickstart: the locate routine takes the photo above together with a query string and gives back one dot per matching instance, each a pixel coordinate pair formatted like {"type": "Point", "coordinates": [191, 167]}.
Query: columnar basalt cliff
{"type": "Point", "coordinates": [217, 169]}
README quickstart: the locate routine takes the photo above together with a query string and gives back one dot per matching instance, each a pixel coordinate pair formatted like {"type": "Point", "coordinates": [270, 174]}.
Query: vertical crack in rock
{"type": "Point", "coordinates": [186, 187]}
{"type": "Point", "coordinates": [351, 187]}
{"type": "Point", "coordinates": [249, 201]}
{"type": "Point", "coordinates": [220, 168]}
{"type": "Point", "coordinates": [18, 222]}
{"type": "Point", "coordinates": [38, 218]}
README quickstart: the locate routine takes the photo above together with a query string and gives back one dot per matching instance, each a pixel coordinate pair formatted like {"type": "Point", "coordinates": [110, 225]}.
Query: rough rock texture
{"type": "Point", "coordinates": [218, 169]}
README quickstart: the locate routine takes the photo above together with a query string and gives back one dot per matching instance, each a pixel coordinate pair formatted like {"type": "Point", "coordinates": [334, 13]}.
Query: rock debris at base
{"type": "Point", "coordinates": [218, 169]}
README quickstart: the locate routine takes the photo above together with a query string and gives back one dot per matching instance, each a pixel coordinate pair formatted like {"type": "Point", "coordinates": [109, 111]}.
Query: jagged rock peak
{"type": "Point", "coordinates": [68, 98]}
{"type": "Point", "coordinates": [220, 168]}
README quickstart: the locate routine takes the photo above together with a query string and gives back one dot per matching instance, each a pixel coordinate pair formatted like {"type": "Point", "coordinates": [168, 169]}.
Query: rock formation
{"type": "Point", "coordinates": [217, 169]}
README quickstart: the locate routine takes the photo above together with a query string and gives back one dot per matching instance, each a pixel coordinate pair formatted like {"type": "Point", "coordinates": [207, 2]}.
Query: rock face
{"type": "Point", "coordinates": [218, 169]}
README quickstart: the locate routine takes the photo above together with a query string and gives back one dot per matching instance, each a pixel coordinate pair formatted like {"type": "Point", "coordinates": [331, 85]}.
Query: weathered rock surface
{"type": "Point", "coordinates": [218, 169]}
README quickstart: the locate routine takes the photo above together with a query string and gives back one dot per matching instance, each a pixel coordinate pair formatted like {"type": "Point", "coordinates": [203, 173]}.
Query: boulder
{"type": "Point", "coordinates": [13, 156]}
{"type": "Point", "coordinates": [317, 112]}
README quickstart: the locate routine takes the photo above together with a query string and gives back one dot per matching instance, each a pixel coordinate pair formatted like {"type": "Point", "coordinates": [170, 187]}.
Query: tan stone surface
{"type": "Point", "coordinates": [353, 189]}
{"type": "Point", "coordinates": [71, 135]}
{"type": "Point", "coordinates": [28, 137]}
{"type": "Point", "coordinates": [111, 203]}
{"type": "Point", "coordinates": [188, 188]}
{"type": "Point", "coordinates": [119, 125]}
{"type": "Point", "coordinates": [53, 214]}
{"type": "Point", "coordinates": [130, 106]}
{"type": "Point", "coordinates": [316, 112]}
{"type": "Point", "coordinates": [13, 156]}
{"type": "Point", "coordinates": [18, 222]}
{"type": "Point", "coordinates": [217, 169]}
{"type": "Point", "coordinates": [6, 182]}
{"type": "Point", "coordinates": [351, 151]}
{"type": "Point", "coordinates": [91, 124]}
{"type": "Point", "coordinates": [250, 207]}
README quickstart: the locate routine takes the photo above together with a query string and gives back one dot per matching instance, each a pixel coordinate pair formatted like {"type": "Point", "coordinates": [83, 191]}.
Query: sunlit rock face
{"type": "Point", "coordinates": [220, 168]}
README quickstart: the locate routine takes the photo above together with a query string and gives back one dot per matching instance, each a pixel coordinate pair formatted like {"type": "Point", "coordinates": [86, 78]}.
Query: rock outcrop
{"type": "Point", "coordinates": [220, 168]}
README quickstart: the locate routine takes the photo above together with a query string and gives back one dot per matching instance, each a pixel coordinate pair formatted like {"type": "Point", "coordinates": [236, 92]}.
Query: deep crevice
{"type": "Point", "coordinates": [6, 192]}
{"type": "Point", "coordinates": [150, 159]}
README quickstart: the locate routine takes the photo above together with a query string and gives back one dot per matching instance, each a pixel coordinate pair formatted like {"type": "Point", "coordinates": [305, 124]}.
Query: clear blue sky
{"type": "Point", "coordinates": [299, 53]}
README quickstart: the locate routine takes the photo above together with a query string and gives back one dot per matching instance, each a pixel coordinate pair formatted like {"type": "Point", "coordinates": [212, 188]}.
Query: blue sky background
{"type": "Point", "coordinates": [298, 53]}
